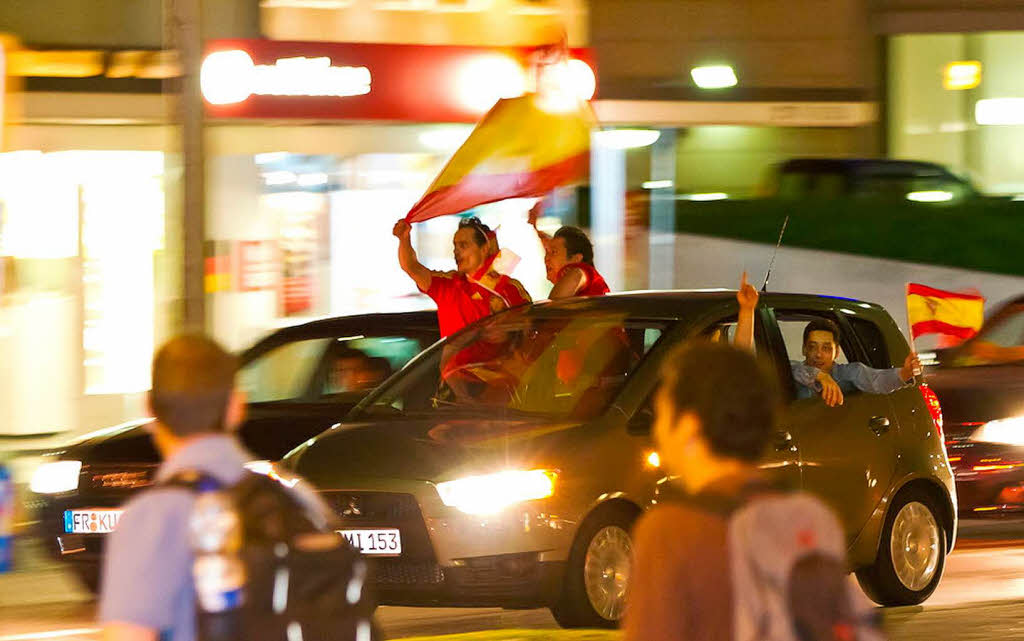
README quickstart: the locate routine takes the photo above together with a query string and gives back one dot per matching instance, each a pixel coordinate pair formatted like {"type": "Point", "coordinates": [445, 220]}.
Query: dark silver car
{"type": "Point", "coordinates": [506, 465]}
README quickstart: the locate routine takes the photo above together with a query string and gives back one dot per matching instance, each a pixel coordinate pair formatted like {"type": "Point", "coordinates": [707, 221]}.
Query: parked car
{"type": "Point", "coordinates": [875, 178]}
{"type": "Point", "coordinates": [506, 465]}
{"type": "Point", "coordinates": [980, 384]}
{"type": "Point", "coordinates": [299, 380]}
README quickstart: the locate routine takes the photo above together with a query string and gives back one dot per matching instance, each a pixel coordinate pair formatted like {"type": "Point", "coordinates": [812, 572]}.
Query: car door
{"type": "Point", "coordinates": [847, 453]}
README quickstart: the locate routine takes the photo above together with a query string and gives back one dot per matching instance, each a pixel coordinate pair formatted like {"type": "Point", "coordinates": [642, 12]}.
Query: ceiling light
{"type": "Point", "coordinates": [999, 111]}
{"type": "Point", "coordinates": [714, 76]}
{"type": "Point", "coordinates": [626, 138]}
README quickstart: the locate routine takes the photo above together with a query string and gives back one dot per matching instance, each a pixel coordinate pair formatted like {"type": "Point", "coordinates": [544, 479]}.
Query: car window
{"type": "Point", "coordinates": [553, 364]}
{"type": "Point", "coordinates": [283, 373]}
{"type": "Point", "coordinates": [872, 341]}
{"type": "Point", "coordinates": [1009, 331]}
{"type": "Point", "coordinates": [999, 342]}
{"type": "Point", "coordinates": [356, 364]}
{"type": "Point", "coordinates": [791, 327]}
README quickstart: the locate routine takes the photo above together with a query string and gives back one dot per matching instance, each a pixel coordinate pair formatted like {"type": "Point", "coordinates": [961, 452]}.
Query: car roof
{"type": "Point", "coordinates": [679, 303]}
{"type": "Point", "coordinates": [865, 165]}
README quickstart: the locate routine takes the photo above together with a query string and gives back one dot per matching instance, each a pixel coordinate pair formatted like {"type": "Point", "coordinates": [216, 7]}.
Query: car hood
{"type": "Point", "coordinates": [435, 448]}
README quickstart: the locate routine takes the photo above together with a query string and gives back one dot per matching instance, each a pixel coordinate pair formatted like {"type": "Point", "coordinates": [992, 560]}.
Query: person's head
{"type": "Point", "coordinates": [821, 344]}
{"type": "Point", "coordinates": [568, 245]}
{"type": "Point", "coordinates": [348, 371]}
{"type": "Point", "coordinates": [714, 410]}
{"type": "Point", "coordinates": [193, 389]}
{"type": "Point", "coordinates": [471, 245]}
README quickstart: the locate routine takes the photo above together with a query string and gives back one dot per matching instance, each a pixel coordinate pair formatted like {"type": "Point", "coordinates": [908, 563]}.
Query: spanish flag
{"type": "Point", "coordinates": [934, 311]}
{"type": "Point", "coordinates": [518, 150]}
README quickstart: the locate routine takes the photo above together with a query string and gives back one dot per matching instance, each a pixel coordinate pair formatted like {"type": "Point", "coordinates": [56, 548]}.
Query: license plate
{"type": "Point", "coordinates": [91, 521]}
{"type": "Point", "coordinates": [375, 542]}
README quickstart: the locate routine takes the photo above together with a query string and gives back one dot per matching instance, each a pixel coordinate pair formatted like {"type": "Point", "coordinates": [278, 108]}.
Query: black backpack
{"type": "Point", "coordinates": [301, 581]}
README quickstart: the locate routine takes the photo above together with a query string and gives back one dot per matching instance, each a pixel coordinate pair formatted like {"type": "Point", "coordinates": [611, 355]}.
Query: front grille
{"type": "Point", "coordinates": [398, 572]}
{"type": "Point", "coordinates": [117, 478]}
{"type": "Point", "coordinates": [376, 507]}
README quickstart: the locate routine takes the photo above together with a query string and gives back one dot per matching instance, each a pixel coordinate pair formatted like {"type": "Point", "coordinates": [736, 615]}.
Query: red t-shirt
{"type": "Point", "coordinates": [461, 301]}
{"type": "Point", "coordinates": [593, 283]}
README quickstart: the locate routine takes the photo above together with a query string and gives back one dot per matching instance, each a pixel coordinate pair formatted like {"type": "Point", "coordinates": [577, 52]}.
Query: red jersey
{"type": "Point", "coordinates": [462, 300]}
{"type": "Point", "coordinates": [593, 284]}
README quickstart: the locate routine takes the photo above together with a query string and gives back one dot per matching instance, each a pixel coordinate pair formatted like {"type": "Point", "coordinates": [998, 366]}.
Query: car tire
{"type": "Point", "coordinates": [914, 536]}
{"type": "Point", "coordinates": [598, 571]}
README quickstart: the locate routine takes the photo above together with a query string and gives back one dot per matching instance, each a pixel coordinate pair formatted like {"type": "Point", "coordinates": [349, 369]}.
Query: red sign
{"type": "Point", "coordinates": [359, 81]}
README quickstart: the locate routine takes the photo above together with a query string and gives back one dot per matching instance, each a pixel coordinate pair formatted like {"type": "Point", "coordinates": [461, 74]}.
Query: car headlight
{"type": "Point", "coordinates": [491, 493]}
{"type": "Point", "coordinates": [1005, 431]}
{"type": "Point", "coordinates": [56, 477]}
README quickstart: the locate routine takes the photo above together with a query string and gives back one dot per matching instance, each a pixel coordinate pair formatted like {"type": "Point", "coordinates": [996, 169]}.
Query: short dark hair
{"type": "Point", "coordinates": [480, 230]}
{"type": "Point", "coordinates": [193, 378]}
{"type": "Point", "coordinates": [576, 242]}
{"type": "Point", "coordinates": [731, 395]}
{"type": "Point", "coordinates": [822, 325]}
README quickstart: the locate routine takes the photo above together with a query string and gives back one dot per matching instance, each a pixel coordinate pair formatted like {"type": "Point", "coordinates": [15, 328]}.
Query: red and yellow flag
{"type": "Point", "coordinates": [934, 311]}
{"type": "Point", "coordinates": [518, 150]}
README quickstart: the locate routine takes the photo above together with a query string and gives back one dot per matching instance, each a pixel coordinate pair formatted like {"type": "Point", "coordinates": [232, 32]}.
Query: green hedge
{"type": "Point", "coordinates": [986, 235]}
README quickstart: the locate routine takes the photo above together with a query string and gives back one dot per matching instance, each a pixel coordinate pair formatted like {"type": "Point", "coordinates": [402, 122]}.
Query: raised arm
{"type": "Point", "coordinates": [747, 297]}
{"type": "Point", "coordinates": [407, 258]}
{"type": "Point", "coordinates": [535, 212]}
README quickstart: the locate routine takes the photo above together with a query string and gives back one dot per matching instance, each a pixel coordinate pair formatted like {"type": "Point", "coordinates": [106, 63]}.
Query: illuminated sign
{"type": "Point", "coordinates": [229, 77]}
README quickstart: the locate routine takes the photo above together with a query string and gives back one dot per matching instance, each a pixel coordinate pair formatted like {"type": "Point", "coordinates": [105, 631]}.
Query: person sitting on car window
{"type": "Point", "coordinates": [819, 374]}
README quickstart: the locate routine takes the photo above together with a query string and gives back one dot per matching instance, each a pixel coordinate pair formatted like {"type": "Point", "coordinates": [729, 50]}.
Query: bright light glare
{"type": "Point", "coordinates": [491, 493]}
{"type": "Point", "coordinates": [626, 138]}
{"type": "Point", "coordinates": [312, 180]}
{"type": "Point", "coordinates": [654, 459]}
{"type": "Point", "coordinates": [714, 76]}
{"type": "Point", "coordinates": [485, 80]}
{"type": "Point", "coordinates": [56, 477]}
{"type": "Point", "coordinates": [562, 86]}
{"type": "Point", "coordinates": [263, 467]}
{"type": "Point", "coordinates": [1007, 431]}
{"type": "Point", "coordinates": [657, 184]}
{"type": "Point", "coordinates": [445, 138]}
{"type": "Point", "coordinates": [270, 157]}
{"type": "Point", "coordinates": [930, 196]}
{"type": "Point", "coordinates": [715, 195]}
{"type": "Point", "coordinates": [962, 75]}
{"type": "Point", "coordinates": [273, 178]}
{"type": "Point", "coordinates": [999, 111]}
{"type": "Point", "coordinates": [226, 77]}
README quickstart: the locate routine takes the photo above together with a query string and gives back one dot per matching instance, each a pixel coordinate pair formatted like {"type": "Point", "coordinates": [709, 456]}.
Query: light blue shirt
{"type": "Point", "coordinates": [147, 565]}
{"type": "Point", "coordinates": [850, 377]}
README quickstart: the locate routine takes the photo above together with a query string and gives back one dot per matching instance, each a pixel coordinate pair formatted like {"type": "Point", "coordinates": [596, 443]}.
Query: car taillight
{"type": "Point", "coordinates": [932, 401]}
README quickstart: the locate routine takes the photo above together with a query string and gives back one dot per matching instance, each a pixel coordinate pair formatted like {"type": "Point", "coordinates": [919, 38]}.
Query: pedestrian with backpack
{"type": "Point", "coordinates": [213, 551]}
{"type": "Point", "coordinates": [725, 555]}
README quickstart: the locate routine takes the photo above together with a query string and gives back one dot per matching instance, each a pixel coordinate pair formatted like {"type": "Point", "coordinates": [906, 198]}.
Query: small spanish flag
{"type": "Point", "coordinates": [934, 311]}
{"type": "Point", "coordinates": [518, 150]}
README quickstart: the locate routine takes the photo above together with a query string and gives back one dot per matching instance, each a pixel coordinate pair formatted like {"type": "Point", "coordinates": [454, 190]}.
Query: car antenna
{"type": "Point", "coordinates": [771, 264]}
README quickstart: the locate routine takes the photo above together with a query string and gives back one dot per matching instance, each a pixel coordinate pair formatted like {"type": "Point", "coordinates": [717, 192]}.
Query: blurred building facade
{"type": "Point", "coordinates": [300, 205]}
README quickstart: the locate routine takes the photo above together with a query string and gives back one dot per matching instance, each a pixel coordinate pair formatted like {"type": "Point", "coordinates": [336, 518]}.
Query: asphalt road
{"type": "Point", "coordinates": [981, 597]}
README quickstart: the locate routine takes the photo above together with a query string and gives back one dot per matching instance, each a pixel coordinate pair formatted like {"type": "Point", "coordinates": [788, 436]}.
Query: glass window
{"type": "Point", "coordinates": [873, 342]}
{"type": "Point", "coordinates": [792, 329]}
{"type": "Point", "coordinates": [357, 365]}
{"type": "Point", "coordinates": [548, 363]}
{"type": "Point", "coordinates": [284, 373]}
{"type": "Point", "coordinates": [999, 342]}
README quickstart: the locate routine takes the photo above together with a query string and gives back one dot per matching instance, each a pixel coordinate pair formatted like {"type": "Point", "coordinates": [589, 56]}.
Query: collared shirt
{"type": "Point", "coordinates": [850, 377]}
{"type": "Point", "coordinates": [147, 565]}
{"type": "Point", "coordinates": [593, 283]}
{"type": "Point", "coordinates": [461, 300]}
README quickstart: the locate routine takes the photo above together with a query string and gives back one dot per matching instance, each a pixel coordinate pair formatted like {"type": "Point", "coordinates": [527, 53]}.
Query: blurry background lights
{"type": "Point", "coordinates": [445, 138]}
{"type": "Point", "coordinates": [965, 74]}
{"type": "Point", "coordinates": [705, 197]}
{"type": "Point", "coordinates": [485, 80]}
{"type": "Point", "coordinates": [626, 138]}
{"type": "Point", "coordinates": [714, 76]}
{"type": "Point", "coordinates": [999, 111]}
{"type": "Point", "coordinates": [657, 184]}
{"type": "Point", "coordinates": [931, 196]}
{"type": "Point", "coordinates": [226, 77]}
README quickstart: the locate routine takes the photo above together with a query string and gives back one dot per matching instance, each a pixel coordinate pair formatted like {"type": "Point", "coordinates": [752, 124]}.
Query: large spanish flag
{"type": "Point", "coordinates": [518, 150]}
{"type": "Point", "coordinates": [934, 311]}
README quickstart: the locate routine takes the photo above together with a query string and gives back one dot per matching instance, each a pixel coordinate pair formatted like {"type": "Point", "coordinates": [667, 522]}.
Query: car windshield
{"type": "Point", "coordinates": [550, 362]}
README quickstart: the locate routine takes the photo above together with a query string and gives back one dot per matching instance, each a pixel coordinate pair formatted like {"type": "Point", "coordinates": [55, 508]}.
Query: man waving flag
{"type": "Point", "coordinates": [524, 147]}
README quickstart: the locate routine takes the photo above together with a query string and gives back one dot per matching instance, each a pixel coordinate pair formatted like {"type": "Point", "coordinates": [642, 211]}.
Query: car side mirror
{"type": "Point", "coordinates": [641, 421]}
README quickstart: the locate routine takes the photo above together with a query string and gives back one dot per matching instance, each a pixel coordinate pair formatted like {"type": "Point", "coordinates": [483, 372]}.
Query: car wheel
{"type": "Point", "coordinates": [598, 571]}
{"type": "Point", "coordinates": [911, 553]}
